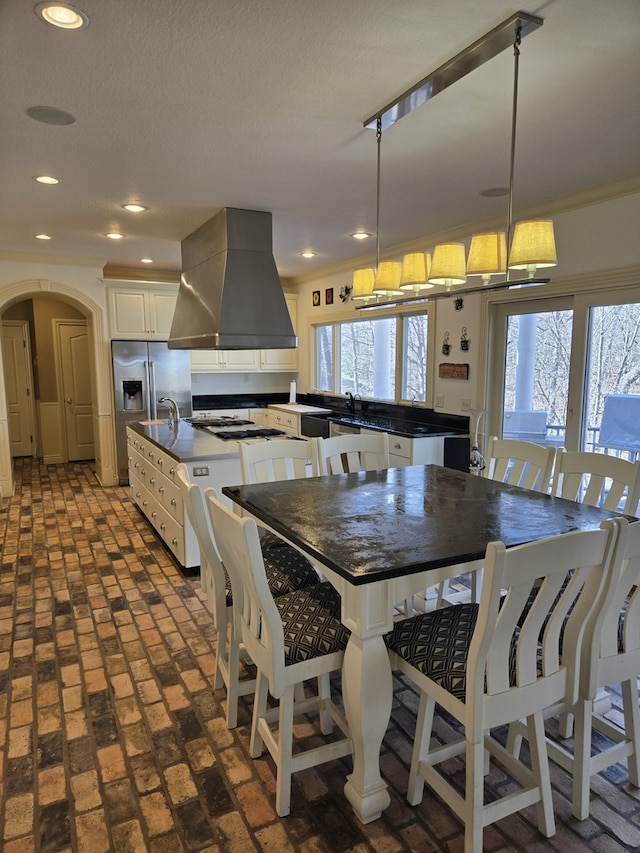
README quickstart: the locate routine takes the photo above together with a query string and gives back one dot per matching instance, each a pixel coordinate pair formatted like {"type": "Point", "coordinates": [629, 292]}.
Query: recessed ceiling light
{"type": "Point", "coordinates": [361, 235]}
{"type": "Point", "coordinates": [42, 237]}
{"type": "Point", "coordinates": [62, 15]}
{"type": "Point", "coordinates": [146, 260]}
{"type": "Point", "coordinates": [46, 179]}
{"type": "Point", "coordinates": [51, 115]}
{"type": "Point", "coordinates": [135, 208]}
{"type": "Point", "coordinates": [308, 254]}
{"type": "Point", "coordinates": [495, 192]}
{"type": "Point", "coordinates": [114, 235]}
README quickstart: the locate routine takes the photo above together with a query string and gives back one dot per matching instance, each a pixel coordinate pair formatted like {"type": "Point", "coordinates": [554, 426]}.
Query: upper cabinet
{"type": "Point", "coordinates": [141, 313]}
{"type": "Point", "coordinates": [248, 361]}
{"type": "Point", "coordinates": [211, 360]}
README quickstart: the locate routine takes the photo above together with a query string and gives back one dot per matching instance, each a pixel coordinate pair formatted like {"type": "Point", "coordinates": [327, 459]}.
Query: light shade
{"type": "Point", "coordinates": [416, 267]}
{"type": "Point", "coordinates": [533, 245]}
{"type": "Point", "coordinates": [487, 254]}
{"type": "Point", "coordinates": [448, 265]}
{"type": "Point", "coordinates": [388, 278]}
{"type": "Point", "coordinates": [363, 284]}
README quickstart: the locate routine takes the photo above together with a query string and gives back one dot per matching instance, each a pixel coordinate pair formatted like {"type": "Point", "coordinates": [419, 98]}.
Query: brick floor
{"type": "Point", "coordinates": [111, 738]}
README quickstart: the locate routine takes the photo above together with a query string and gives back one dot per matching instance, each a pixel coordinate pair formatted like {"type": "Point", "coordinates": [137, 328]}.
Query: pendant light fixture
{"type": "Point", "coordinates": [416, 268]}
{"type": "Point", "coordinates": [448, 265]}
{"type": "Point", "coordinates": [531, 244]}
{"type": "Point", "coordinates": [362, 286]}
{"type": "Point", "coordinates": [487, 255]}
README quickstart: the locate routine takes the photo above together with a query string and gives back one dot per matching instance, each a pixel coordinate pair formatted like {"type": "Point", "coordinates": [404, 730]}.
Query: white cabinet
{"type": "Point", "coordinates": [426, 450]}
{"type": "Point", "coordinates": [154, 488]}
{"type": "Point", "coordinates": [282, 359]}
{"type": "Point", "coordinates": [142, 313]}
{"type": "Point", "coordinates": [212, 360]}
{"type": "Point", "coordinates": [285, 421]}
{"type": "Point", "coordinates": [260, 416]}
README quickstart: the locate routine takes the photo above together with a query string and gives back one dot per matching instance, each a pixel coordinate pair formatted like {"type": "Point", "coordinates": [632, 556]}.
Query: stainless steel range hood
{"type": "Point", "coordinates": [230, 294]}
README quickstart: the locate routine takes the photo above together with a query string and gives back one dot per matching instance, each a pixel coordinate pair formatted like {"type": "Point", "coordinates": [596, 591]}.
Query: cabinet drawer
{"type": "Point", "coordinates": [399, 445]}
{"type": "Point", "coordinates": [170, 530]}
{"type": "Point", "coordinates": [169, 497]}
{"type": "Point", "coordinates": [166, 464]}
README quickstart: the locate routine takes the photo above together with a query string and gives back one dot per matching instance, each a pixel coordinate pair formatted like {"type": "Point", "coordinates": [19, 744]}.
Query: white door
{"type": "Point", "coordinates": [18, 380]}
{"type": "Point", "coordinates": [75, 386]}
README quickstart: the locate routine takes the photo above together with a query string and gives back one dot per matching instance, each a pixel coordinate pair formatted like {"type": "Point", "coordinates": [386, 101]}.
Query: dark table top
{"type": "Point", "coordinates": [378, 525]}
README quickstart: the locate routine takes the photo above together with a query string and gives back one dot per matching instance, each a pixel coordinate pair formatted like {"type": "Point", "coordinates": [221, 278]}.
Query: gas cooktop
{"type": "Point", "coordinates": [260, 432]}
{"type": "Point", "coordinates": [201, 423]}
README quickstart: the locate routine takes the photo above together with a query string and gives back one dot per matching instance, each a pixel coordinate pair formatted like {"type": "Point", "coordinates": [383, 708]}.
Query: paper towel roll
{"type": "Point", "coordinates": [292, 391]}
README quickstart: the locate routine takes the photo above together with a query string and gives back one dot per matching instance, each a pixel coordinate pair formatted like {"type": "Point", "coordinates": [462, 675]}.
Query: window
{"type": "Point", "coordinates": [382, 358]}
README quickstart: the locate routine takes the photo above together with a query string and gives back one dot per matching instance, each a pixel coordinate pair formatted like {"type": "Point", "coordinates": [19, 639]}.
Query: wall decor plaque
{"type": "Point", "coordinates": [453, 371]}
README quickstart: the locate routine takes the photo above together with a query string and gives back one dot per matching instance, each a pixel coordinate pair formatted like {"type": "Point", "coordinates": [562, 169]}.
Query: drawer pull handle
{"type": "Point", "coordinates": [172, 471]}
{"type": "Point", "coordinates": [174, 541]}
{"type": "Point", "coordinates": [174, 502]}
{"type": "Point", "coordinates": [144, 503]}
{"type": "Point", "coordinates": [396, 446]}
{"type": "Point", "coordinates": [163, 526]}
{"type": "Point", "coordinates": [152, 481]}
{"type": "Point", "coordinates": [161, 489]}
{"type": "Point", "coordinates": [154, 514]}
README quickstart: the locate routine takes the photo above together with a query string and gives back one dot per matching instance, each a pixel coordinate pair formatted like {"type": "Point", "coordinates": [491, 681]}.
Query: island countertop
{"type": "Point", "coordinates": [184, 443]}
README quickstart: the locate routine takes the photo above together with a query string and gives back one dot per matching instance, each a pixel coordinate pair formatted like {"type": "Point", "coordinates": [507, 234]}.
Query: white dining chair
{"type": "Point", "coordinates": [610, 655]}
{"type": "Point", "coordinates": [287, 570]}
{"type": "Point", "coordinates": [290, 639]}
{"type": "Point", "coordinates": [487, 666]}
{"type": "Point", "coordinates": [268, 461]}
{"type": "Point", "coordinates": [597, 479]}
{"type": "Point", "coordinates": [354, 452]}
{"type": "Point", "coordinates": [519, 463]}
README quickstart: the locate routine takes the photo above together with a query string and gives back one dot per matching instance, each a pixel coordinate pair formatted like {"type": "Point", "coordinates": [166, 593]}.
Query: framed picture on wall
{"type": "Point", "coordinates": [328, 296]}
{"type": "Point", "coordinates": [316, 297]}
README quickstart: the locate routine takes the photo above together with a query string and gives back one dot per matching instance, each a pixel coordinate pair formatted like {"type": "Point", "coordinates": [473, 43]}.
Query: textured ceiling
{"type": "Point", "coordinates": [189, 107]}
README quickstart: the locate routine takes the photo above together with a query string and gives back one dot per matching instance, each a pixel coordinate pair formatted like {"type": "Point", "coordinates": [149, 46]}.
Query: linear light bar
{"type": "Point", "coordinates": [454, 292]}
{"type": "Point", "coordinates": [472, 57]}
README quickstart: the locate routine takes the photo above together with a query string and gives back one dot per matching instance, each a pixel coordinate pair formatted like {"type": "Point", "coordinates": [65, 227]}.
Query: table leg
{"type": "Point", "coordinates": [367, 691]}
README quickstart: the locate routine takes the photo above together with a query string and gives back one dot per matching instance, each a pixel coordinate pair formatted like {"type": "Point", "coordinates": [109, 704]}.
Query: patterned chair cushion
{"type": "Point", "coordinates": [288, 570]}
{"type": "Point", "coordinates": [311, 623]}
{"type": "Point", "coordinates": [437, 644]}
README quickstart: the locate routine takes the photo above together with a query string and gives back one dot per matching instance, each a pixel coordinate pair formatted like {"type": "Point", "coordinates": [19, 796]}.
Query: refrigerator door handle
{"type": "Point", "coordinates": [147, 374]}
{"type": "Point", "coordinates": [152, 391]}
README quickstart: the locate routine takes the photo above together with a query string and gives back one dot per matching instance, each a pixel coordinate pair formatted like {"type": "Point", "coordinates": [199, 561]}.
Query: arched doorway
{"type": "Point", "coordinates": [99, 368]}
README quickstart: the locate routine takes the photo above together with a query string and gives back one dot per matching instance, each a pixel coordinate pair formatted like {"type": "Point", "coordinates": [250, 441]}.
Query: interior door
{"type": "Point", "coordinates": [73, 345]}
{"type": "Point", "coordinates": [18, 378]}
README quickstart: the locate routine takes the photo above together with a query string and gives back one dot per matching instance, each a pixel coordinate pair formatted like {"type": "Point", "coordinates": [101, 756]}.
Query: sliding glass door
{"type": "Point", "coordinates": [566, 372]}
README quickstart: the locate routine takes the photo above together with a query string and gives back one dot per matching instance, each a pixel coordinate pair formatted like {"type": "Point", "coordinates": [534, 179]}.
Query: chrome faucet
{"type": "Point", "coordinates": [174, 412]}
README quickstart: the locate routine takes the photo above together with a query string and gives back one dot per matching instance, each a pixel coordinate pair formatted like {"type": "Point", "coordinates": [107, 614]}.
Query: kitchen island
{"type": "Point", "coordinates": [154, 451]}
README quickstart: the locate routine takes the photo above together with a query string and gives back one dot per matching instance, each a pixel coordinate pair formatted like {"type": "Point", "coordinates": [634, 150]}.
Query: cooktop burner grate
{"type": "Point", "coordinates": [217, 422]}
{"type": "Point", "coordinates": [234, 435]}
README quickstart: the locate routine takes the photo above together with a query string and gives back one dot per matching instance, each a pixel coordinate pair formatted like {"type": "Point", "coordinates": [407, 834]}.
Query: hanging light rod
{"type": "Point", "coordinates": [454, 292]}
{"type": "Point", "coordinates": [472, 57]}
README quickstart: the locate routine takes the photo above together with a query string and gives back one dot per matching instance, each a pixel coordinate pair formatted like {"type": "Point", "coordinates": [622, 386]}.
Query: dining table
{"type": "Point", "coordinates": [380, 537]}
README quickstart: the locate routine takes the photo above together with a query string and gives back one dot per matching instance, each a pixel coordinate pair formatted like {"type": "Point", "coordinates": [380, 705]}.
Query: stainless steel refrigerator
{"type": "Point", "coordinates": [144, 371]}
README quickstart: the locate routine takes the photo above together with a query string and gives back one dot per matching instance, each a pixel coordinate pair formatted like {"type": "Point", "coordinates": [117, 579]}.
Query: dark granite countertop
{"type": "Point", "coordinates": [185, 443]}
{"type": "Point", "coordinates": [378, 525]}
{"type": "Point", "coordinates": [409, 429]}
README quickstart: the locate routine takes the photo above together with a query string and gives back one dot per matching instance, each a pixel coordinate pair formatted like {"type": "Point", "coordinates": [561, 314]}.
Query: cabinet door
{"type": "Point", "coordinates": [205, 360]}
{"type": "Point", "coordinates": [161, 309]}
{"type": "Point", "coordinates": [282, 359]}
{"type": "Point", "coordinates": [241, 359]}
{"type": "Point", "coordinates": [128, 314]}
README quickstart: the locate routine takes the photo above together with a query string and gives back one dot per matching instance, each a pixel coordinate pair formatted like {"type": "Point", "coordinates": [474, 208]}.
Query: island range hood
{"type": "Point", "coordinates": [230, 294]}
